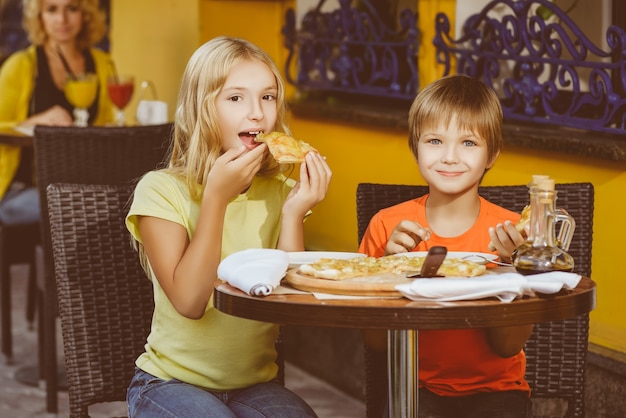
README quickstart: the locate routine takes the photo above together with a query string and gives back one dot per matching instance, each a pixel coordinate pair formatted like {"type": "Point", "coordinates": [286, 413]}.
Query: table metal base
{"type": "Point", "coordinates": [402, 366]}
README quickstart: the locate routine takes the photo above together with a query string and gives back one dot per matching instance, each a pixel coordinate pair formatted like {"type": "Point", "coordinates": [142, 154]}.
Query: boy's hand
{"type": "Point", "coordinates": [505, 238]}
{"type": "Point", "coordinates": [405, 236]}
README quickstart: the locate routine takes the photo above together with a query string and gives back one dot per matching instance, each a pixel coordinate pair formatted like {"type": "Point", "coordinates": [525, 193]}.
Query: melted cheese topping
{"type": "Point", "coordinates": [339, 269]}
{"type": "Point", "coordinates": [285, 148]}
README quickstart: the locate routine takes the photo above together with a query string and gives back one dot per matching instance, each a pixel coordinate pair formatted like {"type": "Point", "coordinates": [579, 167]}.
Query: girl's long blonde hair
{"type": "Point", "coordinates": [197, 141]}
{"type": "Point", "coordinates": [93, 28]}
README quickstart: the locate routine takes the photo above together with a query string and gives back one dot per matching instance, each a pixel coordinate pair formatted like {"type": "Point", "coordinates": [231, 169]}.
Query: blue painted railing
{"type": "Point", "coordinates": [545, 71]}
{"type": "Point", "coordinates": [12, 35]}
{"type": "Point", "coordinates": [351, 50]}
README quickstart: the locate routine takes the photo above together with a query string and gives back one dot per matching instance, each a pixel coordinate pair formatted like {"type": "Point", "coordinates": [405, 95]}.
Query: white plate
{"type": "Point", "coordinates": [306, 257]}
{"type": "Point", "coordinates": [467, 255]}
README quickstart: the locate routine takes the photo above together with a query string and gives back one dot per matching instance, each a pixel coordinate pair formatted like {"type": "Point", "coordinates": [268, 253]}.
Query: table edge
{"type": "Point", "coordinates": [305, 310]}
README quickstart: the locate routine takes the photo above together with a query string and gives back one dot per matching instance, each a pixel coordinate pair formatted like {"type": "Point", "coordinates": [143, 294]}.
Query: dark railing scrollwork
{"type": "Point", "coordinates": [545, 71]}
{"type": "Point", "coordinates": [352, 50]}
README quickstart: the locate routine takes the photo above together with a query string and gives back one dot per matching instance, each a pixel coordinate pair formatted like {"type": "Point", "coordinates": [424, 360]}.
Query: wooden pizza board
{"type": "Point", "coordinates": [374, 285]}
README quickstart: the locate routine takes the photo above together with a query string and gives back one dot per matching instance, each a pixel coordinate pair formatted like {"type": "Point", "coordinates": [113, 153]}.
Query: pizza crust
{"type": "Point", "coordinates": [284, 148]}
{"type": "Point", "coordinates": [375, 285]}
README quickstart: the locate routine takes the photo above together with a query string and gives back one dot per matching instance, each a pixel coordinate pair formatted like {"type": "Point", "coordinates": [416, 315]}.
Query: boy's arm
{"type": "Point", "coordinates": [508, 341]}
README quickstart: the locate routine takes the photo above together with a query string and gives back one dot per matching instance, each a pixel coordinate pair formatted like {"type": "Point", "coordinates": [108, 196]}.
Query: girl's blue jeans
{"type": "Point", "coordinates": [149, 396]}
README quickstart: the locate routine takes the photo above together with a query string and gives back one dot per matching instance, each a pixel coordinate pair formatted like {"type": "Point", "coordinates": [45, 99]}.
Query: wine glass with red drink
{"type": "Point", "coordinates": [120, 91]}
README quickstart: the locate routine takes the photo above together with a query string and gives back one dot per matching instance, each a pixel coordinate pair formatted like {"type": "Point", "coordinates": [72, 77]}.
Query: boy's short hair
{"type": "Point", "coordinates": [476, 107]}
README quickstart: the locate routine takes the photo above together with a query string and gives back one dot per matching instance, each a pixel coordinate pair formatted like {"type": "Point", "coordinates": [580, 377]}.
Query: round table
{"type": "Point", "coordinates": [402, 318]}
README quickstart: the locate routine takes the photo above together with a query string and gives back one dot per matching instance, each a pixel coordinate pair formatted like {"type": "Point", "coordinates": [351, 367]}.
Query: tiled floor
{"type": "Point", "coordinates": [21, 401]}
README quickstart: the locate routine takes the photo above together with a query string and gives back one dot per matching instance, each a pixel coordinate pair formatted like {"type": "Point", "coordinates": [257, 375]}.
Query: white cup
{"type": "Point", "coordinates": [152, 112]}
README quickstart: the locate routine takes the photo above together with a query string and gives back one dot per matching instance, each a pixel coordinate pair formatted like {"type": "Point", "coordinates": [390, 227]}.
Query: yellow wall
{"type": "Point", "coordinates": [427, 11]}
{"type": "Point", "coordinates": [361, 153]}
{"type": "Point", "coordinates": [152, 40]}
{"type": "Point", "coordinates": [257, 20]}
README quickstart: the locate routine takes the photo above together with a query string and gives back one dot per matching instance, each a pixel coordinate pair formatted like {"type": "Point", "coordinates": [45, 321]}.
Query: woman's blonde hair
{"type": "Point", "coordinates": [197, 138]}
{"type": "Point", "coordinates": [476, 108]}
{"type": "Point", "coordinates": [92, 30]}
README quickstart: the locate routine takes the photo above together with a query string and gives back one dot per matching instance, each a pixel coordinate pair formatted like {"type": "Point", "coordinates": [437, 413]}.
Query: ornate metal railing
{"type": "Point", "coordinates": [12, 35]}
{"type": "Point", "coordinates": [352, 50]}
{"type": "Point", "coordinates": [545, 71]}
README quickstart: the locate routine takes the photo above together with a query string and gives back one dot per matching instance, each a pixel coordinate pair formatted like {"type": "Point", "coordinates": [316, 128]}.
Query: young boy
{"type": "Point", "coordinates": [455, 136]}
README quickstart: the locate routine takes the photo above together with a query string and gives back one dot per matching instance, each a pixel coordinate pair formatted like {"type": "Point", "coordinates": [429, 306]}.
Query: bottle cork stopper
{"type": "Point", "coordinates": [538, 178]}
{"type": "Point", "coordinates": [546, 184]}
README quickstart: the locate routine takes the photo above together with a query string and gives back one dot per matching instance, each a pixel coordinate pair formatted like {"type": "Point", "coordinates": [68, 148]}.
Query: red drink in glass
{"type": "Point", "coordinates": [120, 91]}
{"type": "Point", "coordinates": [120, 94]}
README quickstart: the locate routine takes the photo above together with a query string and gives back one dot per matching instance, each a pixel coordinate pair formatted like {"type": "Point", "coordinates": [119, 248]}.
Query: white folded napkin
{"type": "Point", "coordinates": [506, 286]}
{"type": "Point", "coordinates": [256, 271]}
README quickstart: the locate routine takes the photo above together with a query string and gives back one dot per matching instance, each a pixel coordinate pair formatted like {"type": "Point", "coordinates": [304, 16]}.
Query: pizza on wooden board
{"type": "Point", "coordinates": [341, 269]}
{"type": "Point", "coordinates": [285, 148]}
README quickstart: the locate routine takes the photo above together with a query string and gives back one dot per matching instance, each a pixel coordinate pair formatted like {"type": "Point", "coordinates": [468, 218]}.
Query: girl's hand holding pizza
{"type": "Point", "coordinates": [233, 172]}
{"type": "Point", "coordinates": [405, 236]}
{"type": "Point", "coordinates": [315, 175]}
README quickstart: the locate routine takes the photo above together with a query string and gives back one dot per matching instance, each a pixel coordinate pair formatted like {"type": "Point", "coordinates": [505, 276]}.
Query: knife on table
{"type": "Point", "coordinates": [432, 262]}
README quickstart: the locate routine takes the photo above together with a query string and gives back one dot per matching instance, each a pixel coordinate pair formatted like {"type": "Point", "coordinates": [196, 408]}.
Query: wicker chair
{"type": "Point", "coordinates": [105, 298]}
{"type": "Point", "coordinates": [90, 155]}
{"type": "Point", "coordinates": [557, 351]}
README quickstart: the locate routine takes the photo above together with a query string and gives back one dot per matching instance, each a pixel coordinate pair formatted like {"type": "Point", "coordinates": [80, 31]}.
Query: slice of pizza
{"type": "Point", "coordinates": [285, 149]}
{"type": "Point", "coordinates": [523, 222]}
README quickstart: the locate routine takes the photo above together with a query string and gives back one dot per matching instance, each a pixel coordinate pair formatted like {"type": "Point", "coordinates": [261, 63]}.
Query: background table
{"type": "Point", "coordinates": [402, 318]}
{"type": "Point", "coordinates": [10, 136]}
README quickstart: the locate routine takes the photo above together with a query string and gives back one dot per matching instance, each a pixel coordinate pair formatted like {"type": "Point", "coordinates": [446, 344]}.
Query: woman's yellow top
{"type": "Point", "coordinates": [17, 81]}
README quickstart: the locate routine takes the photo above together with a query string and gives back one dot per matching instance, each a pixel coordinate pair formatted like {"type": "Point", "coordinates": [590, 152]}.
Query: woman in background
{"type": "Point", "coordinates": [31, 82]}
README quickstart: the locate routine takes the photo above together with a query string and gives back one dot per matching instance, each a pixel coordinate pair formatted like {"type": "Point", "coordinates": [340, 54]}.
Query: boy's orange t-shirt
{"type": "Point", "coordinates": [453, 362]}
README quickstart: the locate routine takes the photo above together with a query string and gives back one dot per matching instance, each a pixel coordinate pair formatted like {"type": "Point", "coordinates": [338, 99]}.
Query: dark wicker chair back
{"type": "Point", "coordinates": [557, 351]}
{"type": "Point", "coordinates": [105, 298]}
{"type": "Point", "coordinates": [89, 155]}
